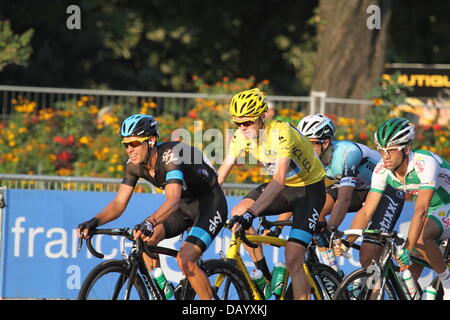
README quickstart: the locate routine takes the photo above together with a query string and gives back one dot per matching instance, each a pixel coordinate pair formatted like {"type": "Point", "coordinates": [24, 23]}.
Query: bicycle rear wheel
{"type": "Point", "coordinates": [228, 283]}
{"type": "Point", "coordinates": [357, 286]}
{"type": "Point", "coordinates": [108, 281]}
{"type": "Point", "coordinates": [326, 280]}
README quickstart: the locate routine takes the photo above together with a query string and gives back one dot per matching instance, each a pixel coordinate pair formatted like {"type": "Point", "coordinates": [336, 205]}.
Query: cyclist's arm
{"type": "Point", "coordinates": [273, 188]}
{"type": "Point", "coordinates": [112, 210]}
{"type": "Point", "coordinates": [418, 219]}
{"type": "Point", "coordinates": [341, 206]}
{"type": "Point", "coordinates": [117, 206]}
{"type": "Point", "coordinates": [364, 215]}
{"type": "Point", "coordinates": [345, 163]}
{"type": "Point", "coordinates": [225, 168]}
{"type": "Point", "coordinates": [173, 196]}
{"type": "Point", "coordinates": [428, 176]}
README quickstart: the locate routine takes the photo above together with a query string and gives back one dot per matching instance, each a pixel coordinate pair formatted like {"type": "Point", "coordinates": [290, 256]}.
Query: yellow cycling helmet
{"type": "Point", "coordinates": [249, 103]}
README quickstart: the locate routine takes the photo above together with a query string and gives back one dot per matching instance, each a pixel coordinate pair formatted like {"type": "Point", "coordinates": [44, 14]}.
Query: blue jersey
{"type": "Point", "coordinates": [351, 164]}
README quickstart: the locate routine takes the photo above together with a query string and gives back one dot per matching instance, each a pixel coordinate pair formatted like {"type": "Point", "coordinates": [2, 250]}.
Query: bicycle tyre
{"type": "Point", "coordinates": [345, 291]}
{"type": "Point", "coordinates": [325, 278]}
{"type": "Point", "coordinates": [98, 282]}
{"type": "Point", "coordinates": [234, 286]}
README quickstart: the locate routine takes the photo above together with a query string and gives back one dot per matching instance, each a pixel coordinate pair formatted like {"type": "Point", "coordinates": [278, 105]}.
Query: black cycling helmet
{"type": "Point", "coordinates": [139, 125]}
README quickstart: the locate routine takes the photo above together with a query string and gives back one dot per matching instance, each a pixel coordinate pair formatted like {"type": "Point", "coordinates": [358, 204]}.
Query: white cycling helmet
{"type": "Point", "coordinates": [317, 126]}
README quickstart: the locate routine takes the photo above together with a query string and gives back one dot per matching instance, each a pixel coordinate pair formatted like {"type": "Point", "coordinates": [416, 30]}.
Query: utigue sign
{"type": "Point", "coordinates": [426, 80]}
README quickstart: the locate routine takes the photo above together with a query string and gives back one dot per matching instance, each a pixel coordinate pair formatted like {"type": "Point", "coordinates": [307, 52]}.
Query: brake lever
{"type": "Point", "coordinates": [80, 244]}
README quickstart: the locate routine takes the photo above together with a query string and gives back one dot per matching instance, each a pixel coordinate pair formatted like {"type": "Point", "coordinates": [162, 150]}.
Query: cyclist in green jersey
{"type": "Point", "coordinates": [425, 177]}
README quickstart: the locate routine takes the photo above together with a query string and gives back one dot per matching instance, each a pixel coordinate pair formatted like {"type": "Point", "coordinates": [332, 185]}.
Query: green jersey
{"type": "Point", "coordinates": [426, 170]}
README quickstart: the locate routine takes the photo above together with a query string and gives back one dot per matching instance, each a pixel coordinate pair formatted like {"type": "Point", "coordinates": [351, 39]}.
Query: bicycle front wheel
{"type": "Point", "coordinates": [108, 281]}
{"type": "Point", "coordinates": [228, 283]}
{"type": "Point", "coordinates": [358, 285]}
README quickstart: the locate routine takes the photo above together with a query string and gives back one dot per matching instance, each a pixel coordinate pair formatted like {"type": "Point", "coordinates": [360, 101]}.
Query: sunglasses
{"type": "Point", "coordinates": [245, 124]}
{"type": "Point", "coordinates": [134, 143]}
{"type": "Point", "coordinates": [318, 142]}
{"type": "Point", "coordinates": [391, 150]}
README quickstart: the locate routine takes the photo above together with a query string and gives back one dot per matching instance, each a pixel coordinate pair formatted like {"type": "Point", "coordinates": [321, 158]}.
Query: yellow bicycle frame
{"type": "Point", "coordinates": [233, 253]}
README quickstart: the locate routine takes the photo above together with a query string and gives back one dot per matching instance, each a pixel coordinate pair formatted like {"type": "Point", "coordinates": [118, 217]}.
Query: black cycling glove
{"type": "Point", "coordinates": [323, 238]}
{"type": "Point", "coordinates": [245, 220]}
{"type": "Point", "coordinates": [91, 225]}
{"type": "Point", "coordinates": [146, 227]}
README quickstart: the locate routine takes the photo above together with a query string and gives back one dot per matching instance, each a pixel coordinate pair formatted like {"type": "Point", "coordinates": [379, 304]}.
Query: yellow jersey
{"type": "Point", "coordinates": [279, 139]}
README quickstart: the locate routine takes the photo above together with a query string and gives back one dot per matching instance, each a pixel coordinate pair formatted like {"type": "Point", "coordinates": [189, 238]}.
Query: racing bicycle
{"type": "Point", "coordinates": [322, 278]}
{"type": "Point", "coordinates": [129, 279]}
{"type": "Point", "coordinates": [382, 280]}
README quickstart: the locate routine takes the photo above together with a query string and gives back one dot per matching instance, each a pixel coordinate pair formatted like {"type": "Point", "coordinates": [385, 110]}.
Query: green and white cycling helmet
{"type": "Point", "coordinates": [396, 131]}
{"type": "Point", "coordinates": [317, 126]}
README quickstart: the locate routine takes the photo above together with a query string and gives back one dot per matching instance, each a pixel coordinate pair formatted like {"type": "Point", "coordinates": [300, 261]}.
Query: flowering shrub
{"type": "Point", "coordinates": [76, 138]}
{"type": "Point", "coordinates": [70, 139]}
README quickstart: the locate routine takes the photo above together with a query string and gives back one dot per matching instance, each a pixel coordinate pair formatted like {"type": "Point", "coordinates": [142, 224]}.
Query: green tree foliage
{"type": "Point", "coordinates": [160, 45]}
{"type": "Point", "coordinates": [154, 45]}
{"type": "Point", "coordinates": [419, 32]}
{"type": "Point", "coordinates": [14, 48]}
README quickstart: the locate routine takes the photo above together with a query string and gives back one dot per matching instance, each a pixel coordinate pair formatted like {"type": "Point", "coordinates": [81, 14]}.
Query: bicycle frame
{"type": "Point", "coordinates": [138, 266]}
{"type": "Point", "coordinates": [233, 253]}
{"type": "Point", "coordinates": [135, 261]}
{"type": "Point", "coordinates": [389, 272]}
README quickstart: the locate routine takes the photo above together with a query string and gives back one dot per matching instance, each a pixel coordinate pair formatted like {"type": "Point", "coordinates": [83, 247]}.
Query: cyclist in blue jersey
{"type": "Point", "coordinates": [351, 165]}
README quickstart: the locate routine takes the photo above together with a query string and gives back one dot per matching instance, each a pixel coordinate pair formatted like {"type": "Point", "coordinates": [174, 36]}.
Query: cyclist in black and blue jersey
{"type": "Point", "coordinates": [194, 198]}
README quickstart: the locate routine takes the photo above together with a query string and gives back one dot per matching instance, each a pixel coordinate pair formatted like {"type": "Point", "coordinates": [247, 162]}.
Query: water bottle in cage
{"type": "Point", "coordinates": [278, 274]}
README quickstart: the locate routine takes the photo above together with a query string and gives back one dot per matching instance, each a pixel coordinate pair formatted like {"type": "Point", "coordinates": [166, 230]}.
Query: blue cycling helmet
{"type": "Point", "coordinates": [139, 125]}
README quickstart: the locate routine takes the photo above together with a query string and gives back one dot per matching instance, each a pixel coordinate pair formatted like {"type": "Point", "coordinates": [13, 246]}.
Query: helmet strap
{"type": "Point", "coordinates": [150, 147]}
{"type": "Point", "coordinates": [325, 157]}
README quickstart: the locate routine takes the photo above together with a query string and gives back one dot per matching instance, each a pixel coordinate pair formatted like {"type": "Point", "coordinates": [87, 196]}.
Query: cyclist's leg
{"type": "Point", "coordinates": [187, 261]}
{"type": "Point", "coordinates": [431, 231]}
{"type": "Point", "coordinates": [306, 205]}
{"type": "Point", "coordinates": [210, 214]}
{"type": "Point", "coordinates": [295, 257]}
{"type": "Point", "coordinates": [384, 219]}
{"type": "Point", "coordinates": [278, 206]}
{"type": "Point", "coordinates": [437, 228]}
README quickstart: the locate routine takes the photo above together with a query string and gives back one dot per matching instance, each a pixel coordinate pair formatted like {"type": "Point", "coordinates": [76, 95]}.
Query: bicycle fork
{"type": "Point", "coordinates": [133, 272]}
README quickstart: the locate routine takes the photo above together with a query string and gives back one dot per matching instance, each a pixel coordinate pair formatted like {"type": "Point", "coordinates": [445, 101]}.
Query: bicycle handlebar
{"type": "Point", "coordinates": [241, 234]}
{"type": "Point", "coordinates": [112, 232]}
{"type": "Point", "coordinates": [124, 232]}
{"type": "Point", "coordinates": [397, 237]}
{"type": "Point", "coordinates": [279, 223]}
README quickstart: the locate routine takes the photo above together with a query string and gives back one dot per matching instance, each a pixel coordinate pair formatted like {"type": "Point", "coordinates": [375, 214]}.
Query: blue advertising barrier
{"type": "Point", "coordinates": [39, 257]}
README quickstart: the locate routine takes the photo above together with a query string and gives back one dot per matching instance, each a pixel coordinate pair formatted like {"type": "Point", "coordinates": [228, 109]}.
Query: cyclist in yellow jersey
{"type": "Point", "coordinates": [297, 184]}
